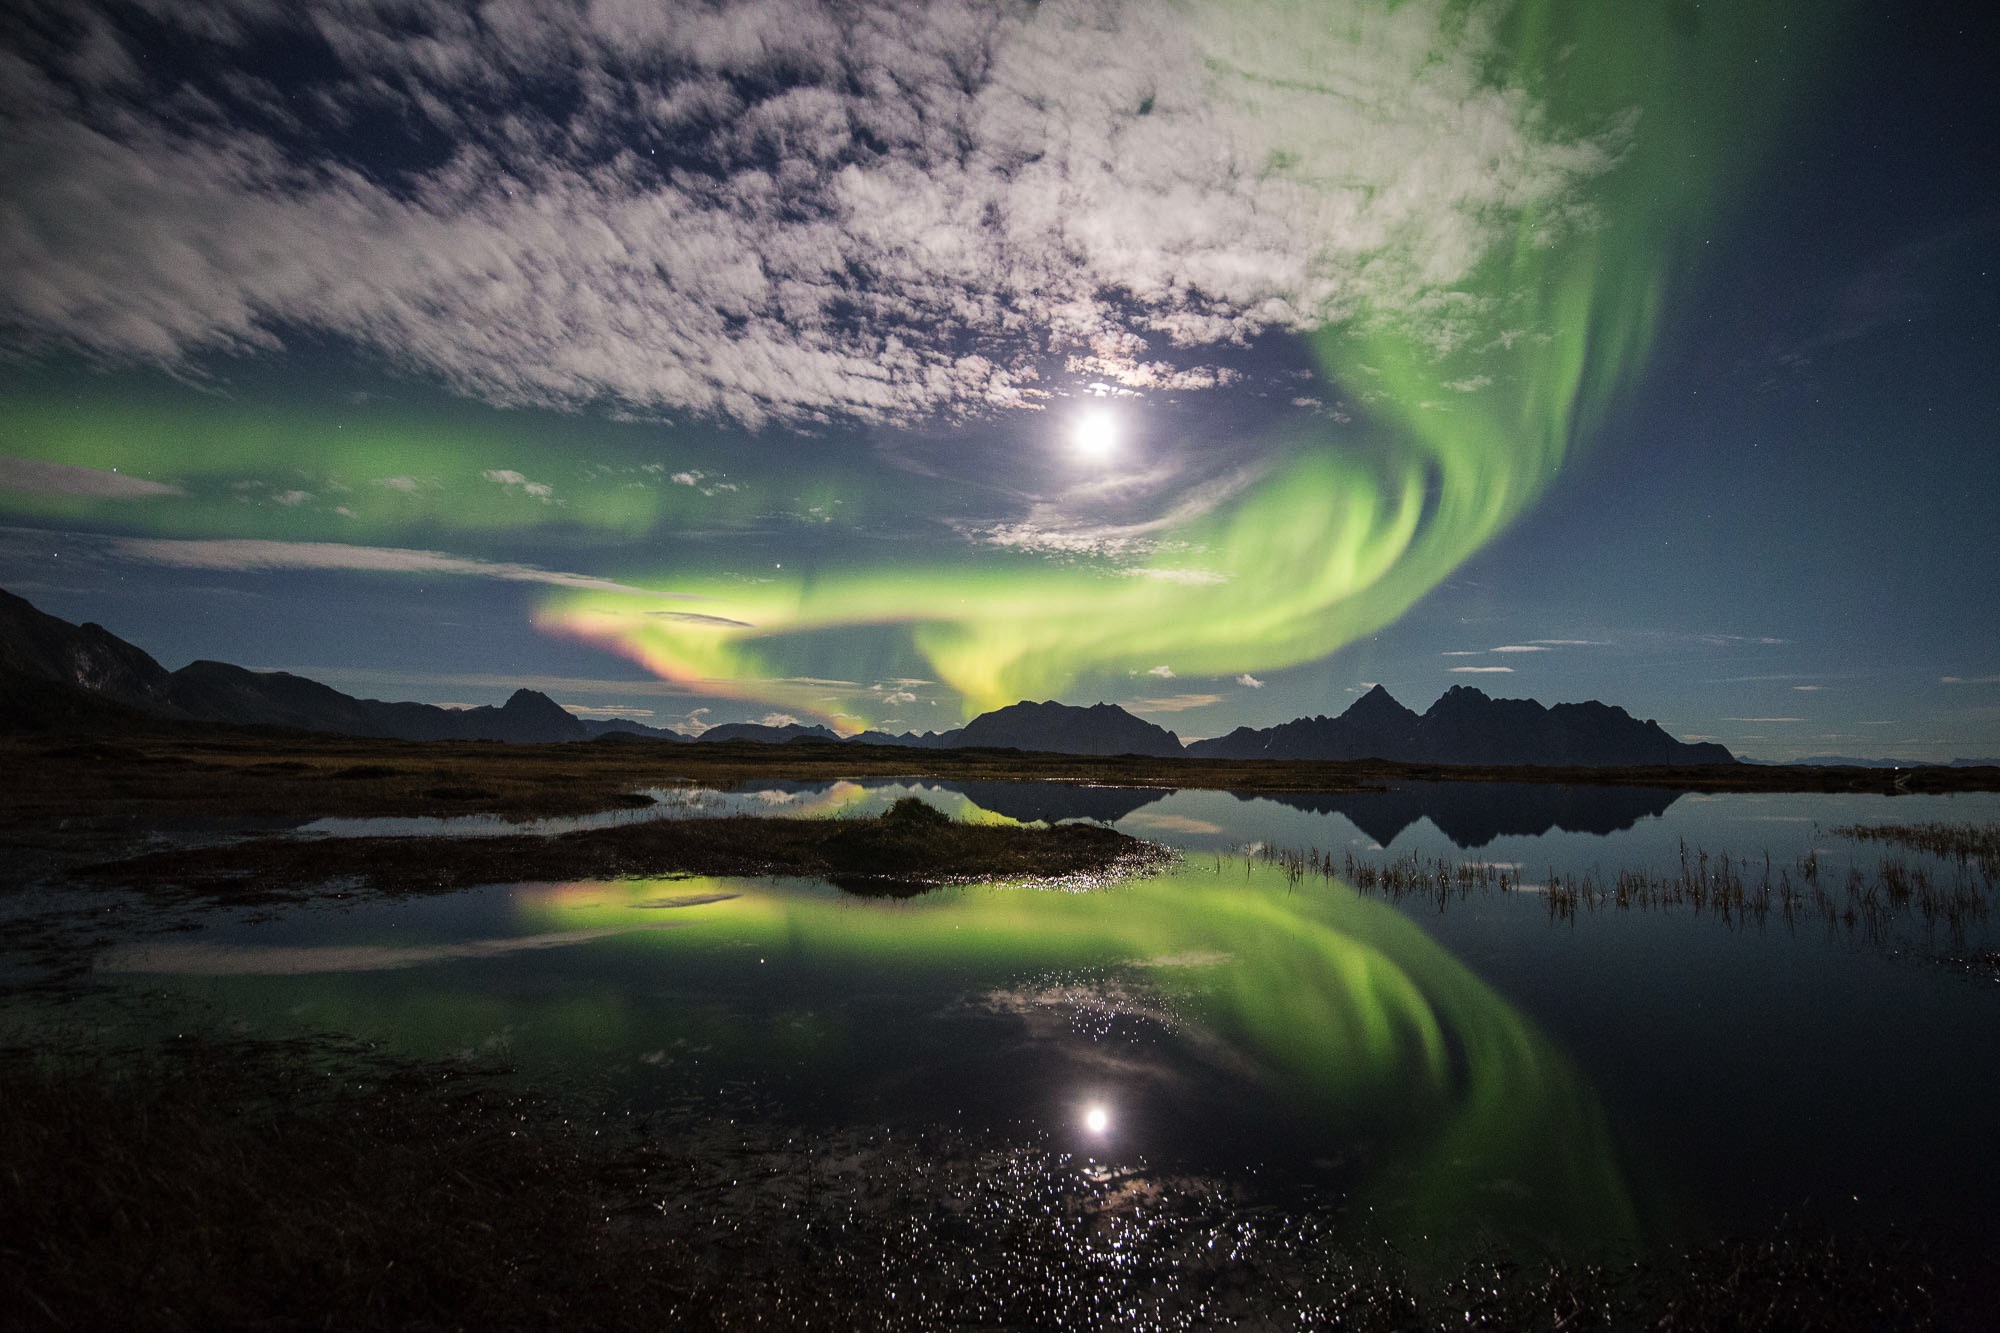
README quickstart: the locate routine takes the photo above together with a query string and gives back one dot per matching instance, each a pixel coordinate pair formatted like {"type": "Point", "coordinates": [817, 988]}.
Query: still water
{"type": "Point", "coordinates": [1445, 1070]}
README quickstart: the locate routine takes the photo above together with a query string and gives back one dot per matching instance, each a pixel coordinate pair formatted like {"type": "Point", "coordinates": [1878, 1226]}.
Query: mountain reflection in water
{"type": "Point", "coordinates": [1224, 1019]}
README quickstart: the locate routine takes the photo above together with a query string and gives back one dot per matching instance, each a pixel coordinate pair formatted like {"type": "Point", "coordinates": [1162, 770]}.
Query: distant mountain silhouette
{"type": "Point", "coordinates": [757, 731]}
{"type": "Point", "coordinates": [87, 659]}
{"type": "Point", "coordinates": [1064, 729]}
{"type": "Point", "coordinates": [91, 661]}
{"type": "Point", "coordinates": [624, 728]}
{"type": "Point", "coordinates": [54, 673]}
{"type": "Point", "coordinates": [1473, 814]}
{"type": "Point", "coordinates": [1465, 726]}
{"type": "Point", "coordinates": [1050, 727]}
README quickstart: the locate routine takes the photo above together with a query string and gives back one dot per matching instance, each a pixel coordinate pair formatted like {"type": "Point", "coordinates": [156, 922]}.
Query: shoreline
{"type": "Point", "coordinates": [214, 772]}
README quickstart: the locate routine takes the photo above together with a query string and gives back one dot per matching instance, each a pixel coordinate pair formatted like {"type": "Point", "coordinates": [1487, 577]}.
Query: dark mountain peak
{"type": "Point", "coordinates": [1377, 706]}
{"type": "Point", "coordinates": [1060, 728]}
{"type": "Point", "coordinates": [1467, 726]}
{"type": "Point", "coordinates": [532, 703]}
{"type": "Point", "coordinates": [84, 657]}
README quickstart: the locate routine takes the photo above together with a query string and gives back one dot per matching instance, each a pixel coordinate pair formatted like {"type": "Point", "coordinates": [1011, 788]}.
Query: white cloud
{"type": "Point", "coordinates": [1484, 671]}
{"type": "Point", "coordinates": [771, 209]}
{"type": "Point", "coordinates": [1763, 719]}
{"type": "Point", "coordinates": [1173, 703]}
{"type": "Point", "coordinates": [1163, 671]}
{"type": "Point", "coordinates": [1809, 689]}
{"type": "Point", "coordinates": [514, 481]}
{"type": "Point", "coordinates": [36, 477]}
{"type": "Point", "coordinates": [1249, 682]}
{"type": "Point", "coordinates": [407, 485]}
{"type": "Point", "coordinates": [245, 554]}
{"type": "Point", "coordinates": [1969, 680]}
{"type": "Point", "coordinates": [1520, 648]}
{"type": "Point", "coordinates": [778, 720]}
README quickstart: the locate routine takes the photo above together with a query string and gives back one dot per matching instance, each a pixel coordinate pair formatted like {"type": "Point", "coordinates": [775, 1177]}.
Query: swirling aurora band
{"type": "Point", "coordinates": [1464, 410]}
{"type": "Point", "coordinates": [1336, 542]}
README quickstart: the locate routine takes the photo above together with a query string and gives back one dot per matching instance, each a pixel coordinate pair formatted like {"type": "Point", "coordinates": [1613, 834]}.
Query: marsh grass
{"type": "Point", "coordinates": [1971, 845]}
{"type": "Point", "coordinates": [1869, 904]}
{"type": "Point", "coordinates": [230, 1182]}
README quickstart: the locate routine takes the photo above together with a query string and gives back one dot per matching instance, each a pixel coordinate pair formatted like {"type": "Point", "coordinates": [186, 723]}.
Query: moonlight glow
{"type": "Point", "coordinates": [1097, 1118]}
{"type": "Point", "coordinates": [1094, 436]}
{"type": "Point", "coordinates": [882, 363]}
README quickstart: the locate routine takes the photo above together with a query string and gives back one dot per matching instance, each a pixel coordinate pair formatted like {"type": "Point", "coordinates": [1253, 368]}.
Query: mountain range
{"type": "Point", "coordinates": [55, 673]}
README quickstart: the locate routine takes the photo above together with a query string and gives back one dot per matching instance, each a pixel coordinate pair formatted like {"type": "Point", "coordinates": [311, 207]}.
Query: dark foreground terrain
{"type": "Point", "coordinates": [234, 1183]}
{"type": "Point", "coordinates": [150, 1180]}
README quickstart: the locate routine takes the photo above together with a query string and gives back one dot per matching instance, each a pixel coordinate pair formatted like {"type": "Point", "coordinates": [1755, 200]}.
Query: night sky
{"type": "Point", "coordinates": [881, 364]}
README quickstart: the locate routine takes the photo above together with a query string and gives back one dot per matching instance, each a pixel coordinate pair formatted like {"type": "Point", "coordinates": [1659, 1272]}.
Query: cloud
{"type": "Point", "coordinates": [1521, 648]}
{"type": "Point", "coordinates": [1249, 682]}
{"type": "Point", "coordinates": [1763, 719]}
{"type": "Point", "coordinates": [514, 481]}
{"type": "Point", "coordinates": [1173, 703]}
{"type": "Point", "coordinates": [244, 554]}
{"type": "Point", "coordinates": [1809, 689]}
{"type": "Point", "coordinates": [1572, 643]}
{"type": "Point", "coordinates": [768, 209]}
{"type": "Point", "coordinates": [1163, 671]}
{"type": "Point", "coordinates": [65, 479]}
{"type": "Point", "coordinates": [1484, 671]}
{"type": "Point", "coordinates": [778, 720]}
{"type": "Point", "coordinates": [1462, 652]}
{"type": "Point", "coordinates": [1969, 680]}
{"type": "Point", "coordinates": [608, 710]}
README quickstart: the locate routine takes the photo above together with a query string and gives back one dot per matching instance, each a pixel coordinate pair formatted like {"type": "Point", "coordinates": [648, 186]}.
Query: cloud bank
{"type": "Point", "coordinates": [772, 209]}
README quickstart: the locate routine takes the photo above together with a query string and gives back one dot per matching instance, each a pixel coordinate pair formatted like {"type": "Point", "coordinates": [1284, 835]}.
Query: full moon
{"type": "Point", "coordinates": [1096, 1119]}
{"type": "Point", "coordinates": [1094, 436]}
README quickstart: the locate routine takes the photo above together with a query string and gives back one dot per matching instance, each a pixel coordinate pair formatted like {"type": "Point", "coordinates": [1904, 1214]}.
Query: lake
{"type": "Point", "coordinates": [1480, 1050]}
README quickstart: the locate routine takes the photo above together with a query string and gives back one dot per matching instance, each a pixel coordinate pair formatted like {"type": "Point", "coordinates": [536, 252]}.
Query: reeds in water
{"type": "Point", "coordinates": [1734, 890]}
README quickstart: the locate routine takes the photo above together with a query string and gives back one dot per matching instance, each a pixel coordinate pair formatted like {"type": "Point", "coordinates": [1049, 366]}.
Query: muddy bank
{"type": "Point", "coordinates": [909, 848]}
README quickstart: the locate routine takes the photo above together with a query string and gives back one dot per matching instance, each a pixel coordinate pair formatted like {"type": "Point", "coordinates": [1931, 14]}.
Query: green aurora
{"type": "Point", "coordinates": [1464, 413]}
{"type": "Point", "coordinates": [1335, 1007]}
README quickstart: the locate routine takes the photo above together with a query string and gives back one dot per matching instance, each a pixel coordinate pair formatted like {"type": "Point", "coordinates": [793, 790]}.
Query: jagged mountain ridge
{"type": "Point", "coordinates": [1466, 726]}
{"type": "Point", "coordinates": [53, 670]}
{"type": "Point", "coordinates": [42, 651]}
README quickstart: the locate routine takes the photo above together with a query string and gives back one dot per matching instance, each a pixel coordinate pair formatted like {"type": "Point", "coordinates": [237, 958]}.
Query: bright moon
{"type": "Point", "coordinates": [1097, 1119]}
{"type": "Point", "coordinates": [1095, 436]}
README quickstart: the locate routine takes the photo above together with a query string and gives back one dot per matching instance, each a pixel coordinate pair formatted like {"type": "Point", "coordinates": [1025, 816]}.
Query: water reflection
{"type": "Point", "coordinates": [1052, 802]}
{"type": "Point", "coordinates": [1215, 1016]}
{"type": "Point", "coordinates": [1473, 814]}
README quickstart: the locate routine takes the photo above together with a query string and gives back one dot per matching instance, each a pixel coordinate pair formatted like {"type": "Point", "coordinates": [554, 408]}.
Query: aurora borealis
{"type": "Point", "coordinates": [709, 362]}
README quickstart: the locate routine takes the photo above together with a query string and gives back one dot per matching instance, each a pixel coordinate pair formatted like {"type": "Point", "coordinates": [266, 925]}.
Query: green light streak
{"type": "Point", "coordinates": [1338, 1007]}
{"type": "Point", "coordinates": [1473, 410]}
{"type": "Point", "coordinates": [1471, 398]}
{"type": "Point", "coordinates": [255, 468]}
